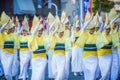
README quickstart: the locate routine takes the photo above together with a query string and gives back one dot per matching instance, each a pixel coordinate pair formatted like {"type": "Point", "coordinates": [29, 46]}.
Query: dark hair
{"type": "Point", "coordinates": [93, 28]}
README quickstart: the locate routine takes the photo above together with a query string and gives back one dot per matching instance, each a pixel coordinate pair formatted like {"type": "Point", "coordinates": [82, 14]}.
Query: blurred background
{"type": "Point", "coordinates": [30, 8]}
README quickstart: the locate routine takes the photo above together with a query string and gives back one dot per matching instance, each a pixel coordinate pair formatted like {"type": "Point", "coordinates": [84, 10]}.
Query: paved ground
{"type": "Point", "coordinates": [71, 76]}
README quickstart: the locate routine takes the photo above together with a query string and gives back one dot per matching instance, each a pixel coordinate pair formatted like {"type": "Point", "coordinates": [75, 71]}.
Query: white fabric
{"type": "Point", "coordinates": [3, 27]}
{"type": "Point", "coordinates": [1, 67]}
{"type": "Point", "coordinates": [119, 58]}
{"type": "Point", "coordinates": [24, 61]}
{"type": "Point", "coordinates": [15, 66]}
{"type": "Point", "coordinates": [77, 59]}
{"type": "Point", "coordinates": [97, 72]}
{"type": "Point", "coordinates": [97, 76]}
{"type": "Point", "coordinates": [38, 68]}
{"type": "Point", "coordinates": [90, 66]}
{"type": "Point", "coordinates": [58, 66]}
{"type": "Point", "coordinates": [115, 64]}
{"type": "Point", "coordinates": [7, 61]}
{"type": "Point", "coordinates": [67, 64]}
{"type": "Point", "coordinates": [50, 54]}
{"type": "Point", "coordinates": [105, 65]}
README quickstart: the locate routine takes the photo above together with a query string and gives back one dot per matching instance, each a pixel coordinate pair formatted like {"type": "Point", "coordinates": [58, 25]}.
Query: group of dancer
{"type": "Point", "coordinates": [92, 49]}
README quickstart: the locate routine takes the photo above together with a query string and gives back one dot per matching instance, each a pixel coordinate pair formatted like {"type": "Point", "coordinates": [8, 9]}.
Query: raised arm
{"type": "Point", "coordinates": [3, 27]}
{"type": "Point", "coordinates": [36, 29]}
{"type": "Point", "coordinates": [87, 23]}
{"type": "Point", "coordinates": [52, 24]}
{"type": "Point", "coordinates": [21, 29]}
{"type": "Point", "coordinates": [55, 31]}
{"type": "Point", "coordinates": [101, 23]}
{"type": "Point", "coordinates": [18, 28]}
{"type": "Point", "coordinates": [101, 27]}
{"type": "Point", "coordinates": [113, 20]}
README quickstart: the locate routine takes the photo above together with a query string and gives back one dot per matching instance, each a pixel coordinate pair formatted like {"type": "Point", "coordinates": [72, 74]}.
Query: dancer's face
{"type": "Point", "coordinates": [114, 26]}
{"type": "Point", "coordinates": [91, 31]}
{"type": "Point", "coordinates": [24, 32]}
{"type": "Point", "coordinates": [77, 29]}
{"type": "Point", "coordinates": [40, 32]}
{"type": "Point", "coordinates": [66, 26]}
{"type": "Point", "coordinates": [60, 34]}
{"type": "Point", "coordinates": [107, 31]}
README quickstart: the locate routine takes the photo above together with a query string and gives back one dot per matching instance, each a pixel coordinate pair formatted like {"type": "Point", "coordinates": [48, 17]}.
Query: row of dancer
{"type": "Point", "coordinates": [92, 48]}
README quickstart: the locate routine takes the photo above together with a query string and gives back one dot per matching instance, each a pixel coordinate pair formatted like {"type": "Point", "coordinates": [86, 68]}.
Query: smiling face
{"type": "Point", "coordinates": [40, 32]}
{"type": "Point", "coordinates": [91, 31]}
{"type": "Point", "coordinates": [66, 26]}
{"type": "Point", "coordinates": [77, 29]}
{"type": "Point", "coordinates": [60, 34]}
{"type": "Point", "coordinates": [24, 32]}
{"type": "Point", "coordinates": [107, 31]}
{"type": "Point", "coordinates": [114, 25]}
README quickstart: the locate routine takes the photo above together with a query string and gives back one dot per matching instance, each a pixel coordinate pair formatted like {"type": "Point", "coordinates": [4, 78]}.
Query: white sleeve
{"type": "Point", "coordinates": [101, 27]}
{"type": "Point", "coordinates": [52, 24]}
{"type": "Point", "coordinates": [18, 26]}
{"type": "Point", "coordinates": [104, 26]}
{"type": "Point", "coordinates": [17, 29]}
{"type": "Point", "coordinates": [100, 19]}
{"type": "Point", "coordinates": [55, 31]}
{"type": "Point", "coordinates": [36, 29]}
{"type": "Point", "coordinates": [47, 29]}
{"type": "Point", "coordinates": [3, 27]}
{"type": "Point", "coordinates": [114, 19]}
{"type": "Point", "coordinates": [21, 29]}
{"type": "Point", "coordinates": [86, 24]}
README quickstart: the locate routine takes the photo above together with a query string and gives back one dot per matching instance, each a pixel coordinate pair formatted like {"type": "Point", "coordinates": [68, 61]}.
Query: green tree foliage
{"type": "Point", "coordinates": [102, 5]}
